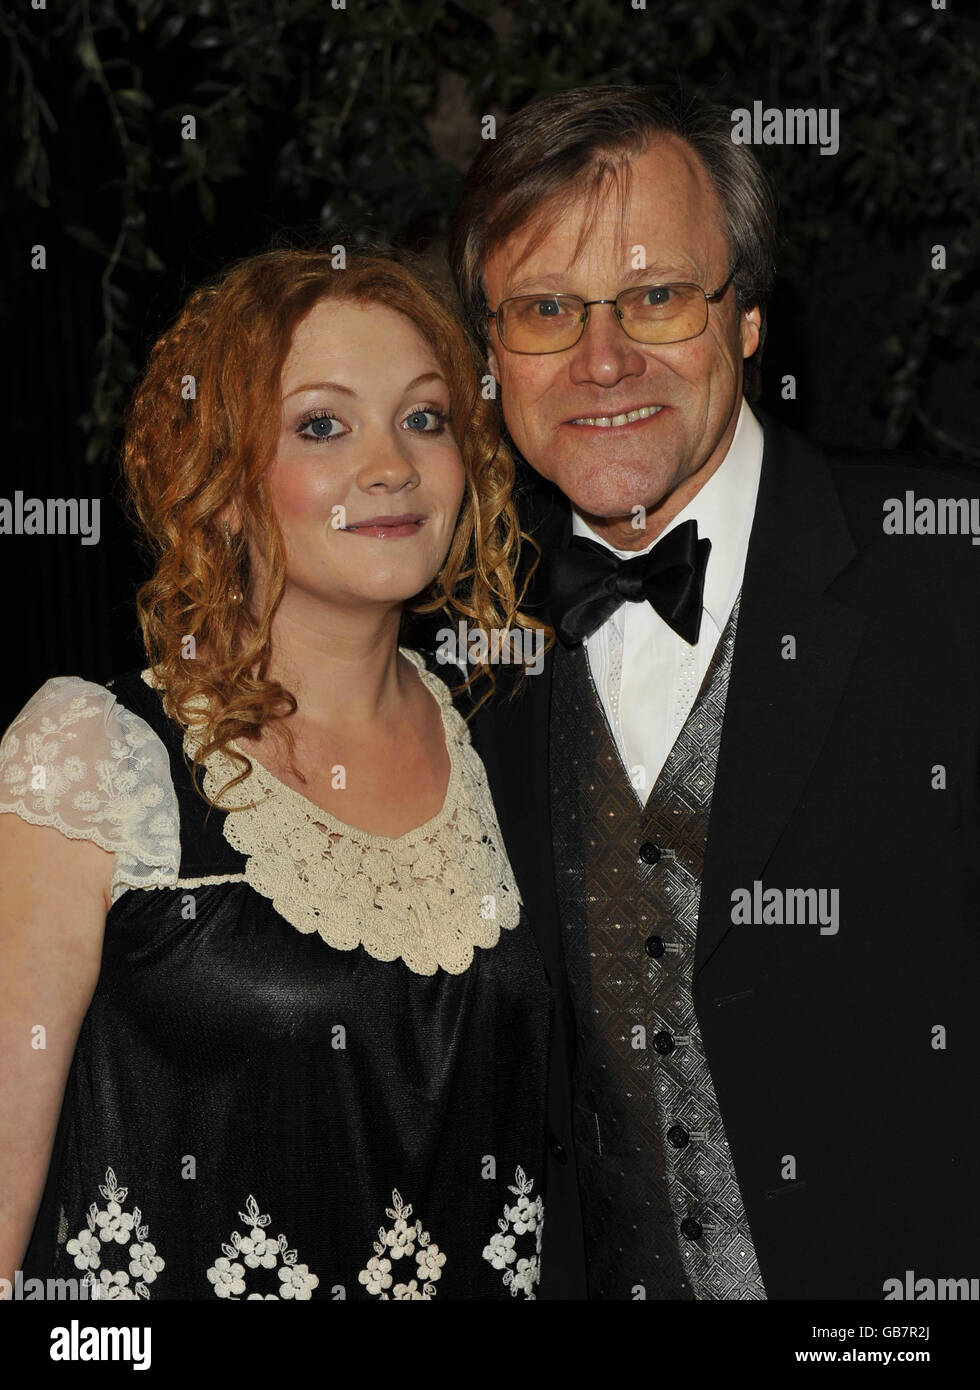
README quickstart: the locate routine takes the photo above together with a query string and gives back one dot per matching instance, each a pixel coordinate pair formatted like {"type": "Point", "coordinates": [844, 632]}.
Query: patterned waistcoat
{"type": "Point", "coordinates": [662, 1210]}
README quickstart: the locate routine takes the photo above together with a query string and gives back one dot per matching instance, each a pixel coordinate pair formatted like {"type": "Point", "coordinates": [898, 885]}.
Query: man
{"type": "Point", "coordinates": [741, 798]}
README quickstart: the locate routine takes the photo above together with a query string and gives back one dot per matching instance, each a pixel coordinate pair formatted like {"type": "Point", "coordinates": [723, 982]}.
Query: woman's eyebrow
{"type": "Point", "coordinates": [348, 391]}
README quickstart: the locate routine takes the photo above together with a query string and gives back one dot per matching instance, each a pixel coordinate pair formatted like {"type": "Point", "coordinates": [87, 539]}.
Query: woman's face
{"type": "Point", "coordinates": [364, 437]}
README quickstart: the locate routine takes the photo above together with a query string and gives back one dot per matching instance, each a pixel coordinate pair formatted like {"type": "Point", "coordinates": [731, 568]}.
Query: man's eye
{"type": "Point", "coordinates": [658, 295]}
{"type": "Point", "coordinates": [547, 309]}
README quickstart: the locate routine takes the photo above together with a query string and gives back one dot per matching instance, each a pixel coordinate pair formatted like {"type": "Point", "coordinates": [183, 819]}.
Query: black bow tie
{"type": "Point", "coordinates": [589, 582]}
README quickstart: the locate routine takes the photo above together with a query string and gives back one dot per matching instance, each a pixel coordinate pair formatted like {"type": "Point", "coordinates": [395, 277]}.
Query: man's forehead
{"type": "Point", "coordinates": [676, 267]}
{"type": "Point", "coordinates": [667, 205]}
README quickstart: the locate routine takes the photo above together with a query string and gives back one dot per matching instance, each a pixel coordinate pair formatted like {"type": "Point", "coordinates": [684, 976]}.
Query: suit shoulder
{"type": "Point", "coordinates": [872, 472]}
{"type": "Point", "coordinates": [889, 494]}
{"type": "Point", "coordinates": [910, 517]}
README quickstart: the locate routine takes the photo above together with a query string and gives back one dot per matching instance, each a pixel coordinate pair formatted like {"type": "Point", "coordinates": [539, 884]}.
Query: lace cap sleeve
{"type": "Point", "coordinates": [76, 759]}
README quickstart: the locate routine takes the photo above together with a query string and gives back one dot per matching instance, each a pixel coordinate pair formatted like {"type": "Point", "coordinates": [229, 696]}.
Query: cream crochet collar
{"type": "Point", "coordinates": [428, 897]}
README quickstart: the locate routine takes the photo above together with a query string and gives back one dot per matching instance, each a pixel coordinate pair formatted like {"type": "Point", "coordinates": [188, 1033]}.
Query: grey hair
{"type": "Point", "coordinates": [558, 147]}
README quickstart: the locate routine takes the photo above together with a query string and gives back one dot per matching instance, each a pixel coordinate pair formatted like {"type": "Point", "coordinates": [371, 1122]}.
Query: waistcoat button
{"type": "Point", "coordinates": [654, 946]}
{"type": "Point", "coordinates": [664, 1043]}
{"type": "Point", "coordinates": [649, 852]}
{"type": "Point", "coordinates": [691, 1228]}
{"type": "Point", "coordinates": [678, 1136]}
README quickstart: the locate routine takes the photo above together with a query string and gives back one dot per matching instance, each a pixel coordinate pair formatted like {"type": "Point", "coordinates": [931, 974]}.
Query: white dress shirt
{"type": "Point", "coordinates": [646, 675]}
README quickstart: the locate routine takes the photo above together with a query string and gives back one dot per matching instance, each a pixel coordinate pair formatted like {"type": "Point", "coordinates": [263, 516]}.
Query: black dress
{"type": "Point", "coordinates": [314, 1065]}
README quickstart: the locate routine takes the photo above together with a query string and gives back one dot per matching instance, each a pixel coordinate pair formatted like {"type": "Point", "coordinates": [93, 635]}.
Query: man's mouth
{"type": "Point", "coordinates": [642, 412]}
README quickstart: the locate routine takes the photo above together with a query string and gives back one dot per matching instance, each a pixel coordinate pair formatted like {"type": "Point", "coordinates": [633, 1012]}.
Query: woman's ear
{"type": "Point", "coordinates": [230, 516]}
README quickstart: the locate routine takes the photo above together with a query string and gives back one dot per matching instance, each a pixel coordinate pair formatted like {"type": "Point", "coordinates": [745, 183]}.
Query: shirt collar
{"type": "Point", "coordinates": [723, 509]}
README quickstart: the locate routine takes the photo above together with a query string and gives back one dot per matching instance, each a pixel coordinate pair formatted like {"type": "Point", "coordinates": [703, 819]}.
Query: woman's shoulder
{"type": "Point", "coordinates": [70, 713]}
{"type": "Point", "coordinates": [79, 759]}
{"type": "Point", "coordinates": [63, 714]}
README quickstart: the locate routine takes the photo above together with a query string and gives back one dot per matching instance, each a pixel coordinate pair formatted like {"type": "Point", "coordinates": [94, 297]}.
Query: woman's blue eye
{"type": "Point", "coordinates": [317, 426]}
{"type": "Point", "coordinates": [420, 416]}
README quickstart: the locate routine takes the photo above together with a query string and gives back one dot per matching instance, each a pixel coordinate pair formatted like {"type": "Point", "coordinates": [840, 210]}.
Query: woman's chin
{"type": "Point", "coordinates": [387, 589]}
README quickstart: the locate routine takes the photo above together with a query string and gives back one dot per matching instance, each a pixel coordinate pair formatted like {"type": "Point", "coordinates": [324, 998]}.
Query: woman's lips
{"type": "Point", "coordinates": [387, 527]}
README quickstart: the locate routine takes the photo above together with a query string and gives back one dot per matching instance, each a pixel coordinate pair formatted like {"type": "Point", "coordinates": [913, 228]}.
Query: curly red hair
{"type": "Point", "coordinates": [201, 431]}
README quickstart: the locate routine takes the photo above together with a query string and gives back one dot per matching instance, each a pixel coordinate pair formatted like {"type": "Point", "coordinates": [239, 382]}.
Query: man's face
{"type": "Point", "coordinates": [661, 461]}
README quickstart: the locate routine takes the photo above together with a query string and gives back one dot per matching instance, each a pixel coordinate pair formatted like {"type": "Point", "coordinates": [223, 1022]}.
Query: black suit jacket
{"type": "Point", "coordinates": [846, 1065]}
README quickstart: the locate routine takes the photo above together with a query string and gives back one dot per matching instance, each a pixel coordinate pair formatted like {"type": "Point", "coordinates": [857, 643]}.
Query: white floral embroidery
{"type": "Point", "coordinates": [523, 1217]}
{"type": "Point", "coordinates": [403, 1240]}
{"type": "Point", "coordinates": [76, 759]}
{"type": "Point", "coordinates": [398, 1246]}
{"type": "Point", "coordinates": [377, 1276]}
{"type": "Point", "coordinates": [500, 1252]}
{"type": "Point", "coordinates": [428, 897]}
{"type": "Point", "coordinates": [108, 1226]}
{"type": "Point", "coordinates": [258, 1251]}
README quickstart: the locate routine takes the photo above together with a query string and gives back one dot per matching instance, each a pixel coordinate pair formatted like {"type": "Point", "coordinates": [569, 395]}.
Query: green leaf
{"type": "Point", "coordinates": [211, 38]}
{"type": "Point", "coordinates": [170, 29]}
{"type": "Point", "coordinates": [87, 53]}
{"type": "Point", "coordinates": [133, 97]}
{"type": "Point", "coordinates": [89, 240]}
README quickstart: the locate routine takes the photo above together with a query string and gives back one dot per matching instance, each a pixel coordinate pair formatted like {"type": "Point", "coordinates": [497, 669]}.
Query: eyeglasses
{"type": "Point", "coordinates": [540, 323]}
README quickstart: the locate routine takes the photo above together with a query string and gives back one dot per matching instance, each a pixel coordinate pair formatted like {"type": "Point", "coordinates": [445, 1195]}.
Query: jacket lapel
{"type": "Point", "coordinates": [778, 710]}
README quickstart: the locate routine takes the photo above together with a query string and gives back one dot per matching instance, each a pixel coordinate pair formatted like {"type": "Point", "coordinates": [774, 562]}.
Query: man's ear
{"type": "Point", "coordinates": [493, 364]}
{"type": "Point", "coordinates": [751, 326]}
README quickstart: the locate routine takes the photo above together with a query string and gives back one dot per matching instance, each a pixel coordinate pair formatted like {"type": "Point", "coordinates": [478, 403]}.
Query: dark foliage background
{"type": "Point", "coordinates": [355, 123]}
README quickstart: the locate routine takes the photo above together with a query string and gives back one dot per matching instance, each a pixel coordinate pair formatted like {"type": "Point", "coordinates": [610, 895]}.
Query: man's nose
{"type": "Point", "coordinates": [605, 352]}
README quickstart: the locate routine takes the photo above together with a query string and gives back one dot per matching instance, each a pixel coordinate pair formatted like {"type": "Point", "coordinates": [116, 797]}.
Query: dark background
{"type": "Point", "coordinates": [355, 124]}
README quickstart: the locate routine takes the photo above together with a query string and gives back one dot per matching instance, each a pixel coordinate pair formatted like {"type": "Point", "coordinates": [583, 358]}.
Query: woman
{"type": "Point", "coordinates": [269, 1002]}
